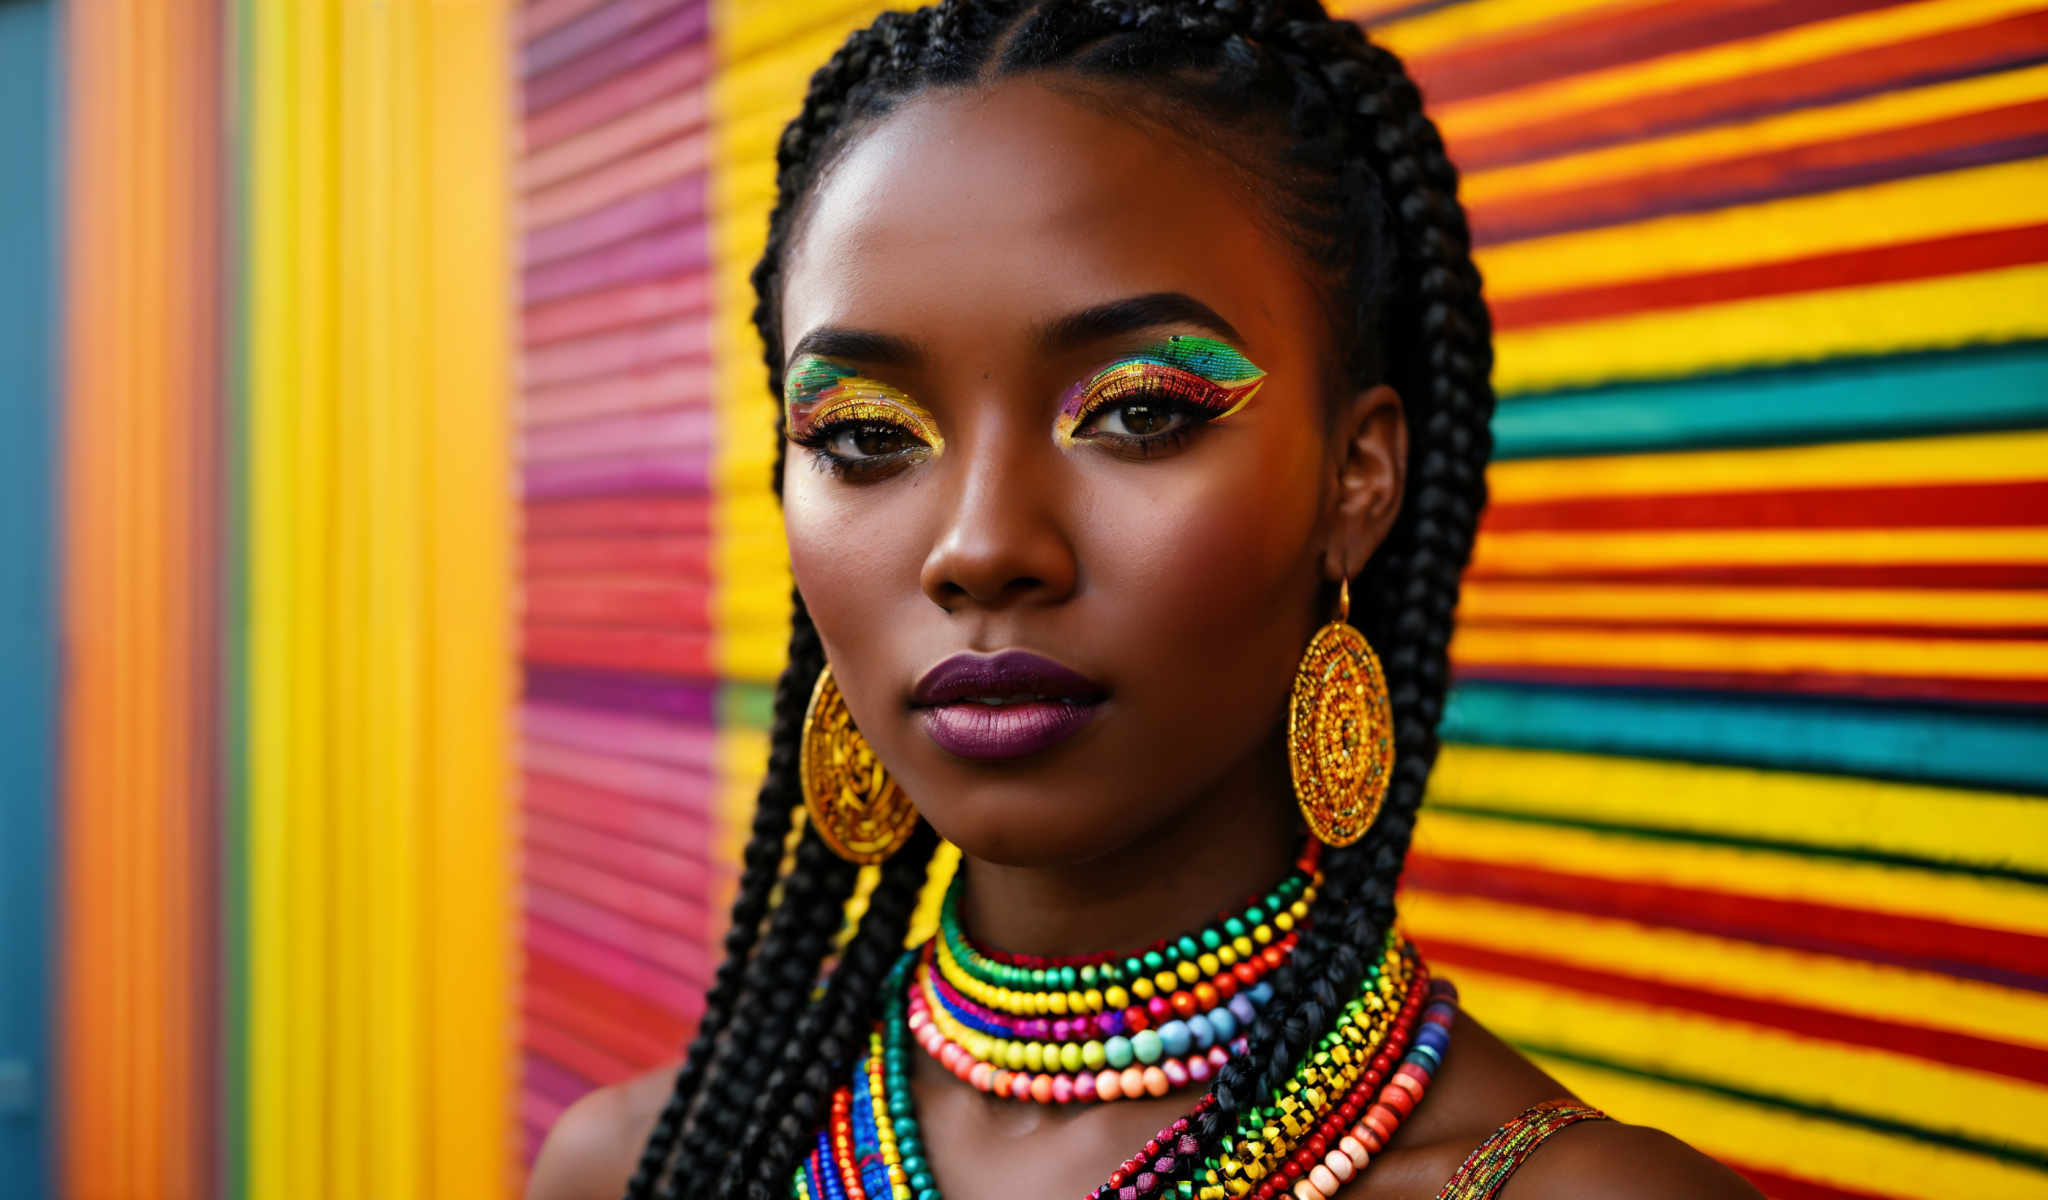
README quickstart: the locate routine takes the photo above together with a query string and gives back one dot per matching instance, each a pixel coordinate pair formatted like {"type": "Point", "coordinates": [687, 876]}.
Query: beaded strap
{"type": "Point", "coordinates": [1487, 1168]}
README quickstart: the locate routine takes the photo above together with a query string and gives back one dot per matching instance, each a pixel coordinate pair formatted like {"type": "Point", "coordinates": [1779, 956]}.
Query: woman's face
{"type": "Point", "coordinates": [1056, 388]}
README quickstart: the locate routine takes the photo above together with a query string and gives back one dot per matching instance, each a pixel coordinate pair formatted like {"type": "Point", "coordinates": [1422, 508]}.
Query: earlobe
{"type": "Point", "coordinates": [1371, 469]}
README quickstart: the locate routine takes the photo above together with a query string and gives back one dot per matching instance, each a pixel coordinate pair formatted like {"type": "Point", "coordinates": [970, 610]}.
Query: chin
{"type": "Point", "coordinates": [1031, 819]}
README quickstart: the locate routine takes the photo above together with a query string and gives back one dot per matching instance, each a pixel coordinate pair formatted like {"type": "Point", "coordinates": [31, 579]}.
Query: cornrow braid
{"type": "Point", "coordinates": [1360, 181]}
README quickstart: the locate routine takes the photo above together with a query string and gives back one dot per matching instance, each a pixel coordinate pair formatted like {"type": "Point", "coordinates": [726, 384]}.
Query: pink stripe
{"type": "Point", "coordinates": [621, 393]}
{"type": "Point", "coordinates": [540, 16]}
{"type": "Point", "coordinates": [677, 743]}
{"type": "Point", "coordinates": [633, 130]}
{"type": "Point", "coordinates": [670, 161]}
{"type": "Point", "coordinates": [665, 472]}
{"type": "Point", "coordinates": [610, 813]}
{"type": "Point", "coordinates": [686, 67]}
{"type": "Point", "coordinates": [684, 955]}
{"type": "Point", "coordinates": [683, 431]}
{"type": "Point", "coordinates": [669, 251]}
{"type": "Point", "coordinates": [684, 788]}
{"type": "Point", "coordinates": [678, 202]}
{"type": "Point", "coordinates": [669, 990]}
{"type": "Point", "coordinates": [675, 904]}
{"type": "Point", "coordinates": [685, 295]}
{"type": "Point", "coordinates": [588, 32]}
{"type": "Point", "coordinates": [667, 871]}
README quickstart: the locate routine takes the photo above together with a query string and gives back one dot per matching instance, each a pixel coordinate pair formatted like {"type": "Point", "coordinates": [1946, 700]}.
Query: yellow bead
{"type": "Point", "coordinates": [1188, 972]}
{"type": "Point", "coordinates": [1243, 946]}
{"type": "Point", "coordinates": [1284, 922]}
{"type": "Point", "coordinates": [1227, 955]}
{"type": "Point", "coordinates": [1117, 997]}
{"type": "Point", "coordinates": [1142, 989]}
{"type": "Point", "coordinates": [1208, 963]}
{"type": "Point", "coordinates": [1058, 1002]}
{"type": "Point", "coordinates": [1263, 934]}
{"type": "Point", "coordinates": [1092, 999]}
{"type": "Point", "coordinates": [1165, 982]}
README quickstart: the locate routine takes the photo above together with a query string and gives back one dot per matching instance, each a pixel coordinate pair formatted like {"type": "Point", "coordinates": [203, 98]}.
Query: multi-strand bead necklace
{"type": "Point", "coordinates": [1106, 1028]}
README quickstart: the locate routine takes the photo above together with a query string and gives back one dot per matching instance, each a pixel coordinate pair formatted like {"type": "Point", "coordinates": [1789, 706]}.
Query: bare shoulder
{"type": "Point", "coordinates": [1607, 1160]}
{"type": "Point", "coordinates": [595, 1144]}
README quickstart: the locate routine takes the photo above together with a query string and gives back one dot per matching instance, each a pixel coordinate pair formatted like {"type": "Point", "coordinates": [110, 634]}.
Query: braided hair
{"type": "Point", "coordinates": [1370, 200]}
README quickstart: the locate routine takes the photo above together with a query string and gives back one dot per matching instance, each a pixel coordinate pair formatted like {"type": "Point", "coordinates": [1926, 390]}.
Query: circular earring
{"type": "Point", "coordinates": [1340, 731]}
{"type": "Point", "coordinates": [854, 805]}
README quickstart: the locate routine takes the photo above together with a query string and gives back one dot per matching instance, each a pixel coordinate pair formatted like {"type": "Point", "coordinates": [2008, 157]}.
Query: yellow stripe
{"type": "Point", "coordinates": [1859, 1079]}
{"type": "Point", "coordinates": [1767, 654]}
{"type": "Point", "coordinates": [1632, 603]}
{"type": "Point", "coordinates": [1795, 1144]}
{"type": "Point", "coordinates": [1887, 110]}
{"type": "Point", "coordinates": [2004, 196]}
{"type": "Point", "coordinates": [1729, 967]}
{"type": "Point", "coordinates": [2004, 305]}
{"type": "Point", "coordinates": [1977, 828]}
{"type": "Point", "coordinates": [1871, 887]}
{"type": "Point", "coordinates": [1546, 553]}
{"type": "Point", "coordinates": [1898, 462]}
{"type": "Point", "coordinates": [1557, 99]}
{"type": "Point", "coordinates": [1486, 21]}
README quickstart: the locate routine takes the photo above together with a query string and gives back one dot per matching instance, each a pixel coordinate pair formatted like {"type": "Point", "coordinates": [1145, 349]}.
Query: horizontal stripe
{"type": "Point", "coordinates": [1780, 1186]}
{"type": "Point", "coordinates": [651, 603]}
{"type": "Point", "coordinates": [681, 874]}
{"type": "Point", "coordinates": [618, 515]}
{"type": "Point", "coordinates": [579, 75]}
{"type": "Point", "coordinates": [1974, 200]}
{"type": "Point", "coordinates": [1493, 603]}
{"type": "Point", "coordinates": [1629, 944]}
{"type": "Point", "coordinates": [1919, 689]}
{"type": "Point", "coordinates": [639, 1010]}
{"type": "Point", "coordinates": [680, 787]}
{"type": "Point", "coordinates": [1986, 831]}
{"type": "Point", "coordinates": [573, 1053]}
{"type": "Point", "coordinates": [1551, 551]}
{"type": "Point", "coordinates": [2006, 305]}
{"type": "Point", "coordinates": [592, 30]}
{"type": "Point", "coordinates": [637, 392]}
{"type": "Point", "coordinates": [679, 202]}
{"type": "Point", "coordinates": [1951, 505]}
{"type": "Point", "coordinates": [1957, 254]}
{"type": "Point", "coordinates": [620, 692]}
{"type": "Point", "coordinates": [635, 129]}
{"type": "Point", "coordinates": [662, 252]}
{"type": "Point", "coordinates": [681, 430]}
{"type": "Point", "coordinates": [681, 296]}
{"type": "Point", "coordinates": [685, 654]}
{"type": "Point", "coordinates": [638, 472]}
{"type": "Point", "coordinates": [1902, 462]}
{"type": "Point", "coordinates": [2004, 957]}
{"type": "Point", "coordinates": [1971, 49]}
{"type": "Point", "coordinates": [685, 68]}
{"type": "Point", "coordinates": [661, 908]}
{"type": "Point", "coordinates": [622, 971]}
{"type": "Point", "coordinates": [1937, 575]}
{"type": "Point", "coordinates": [1733, 1125]}
{"type": "Point", "coordinates": [1594, 645]}
{"type": "Point", "coordinates": [666, 162]}
{"type": "Point", "coordinates": [1864, 399]}
{"type": "Point", "coordinates": [661, 826]}
{"type": "Point", "coordinates": [1604, 39]}
{"type": "Point", "coordinates": [1420, 35]}
{"type": "Point", "coordinates": [1729, 60]}
{"type": "Point", "coordinates": [683, 953]}
{"type": "Point", "coordinates": [1983, 749]}
{"type": "Point", "coordinates": [597, 1028]}
{"type": "Point", "coordinates": [1941, 1106]}
{"type": "Point", "coordinates": [637, 736]}
{"type": "Point", "coordinates": [1950, 1047]}
{"type": "Point", "coordinates": [1625, 166]}
{"type": "Point", "coordinates": [681, 556]}
{"type": "Point", "coordinates": [533, 19]}
{"type": "Point", "coordinates": [636, 350]}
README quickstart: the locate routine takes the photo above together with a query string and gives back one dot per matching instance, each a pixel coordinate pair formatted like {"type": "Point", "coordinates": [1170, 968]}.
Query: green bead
{"type": "Point", "coordinates": [1068, 979]}
{"type": "Point", "coordinates": [1147, 1046]}
{"type": "Point", "coordinates": [1070, 1057]}
{"type": "Point", "coordinates": [1187, 947]}
{"type": "Point", "coordinates": [1153, 960]}
{"type": "Point", "coordinates": [1211, 939]}
{"type": "Point", "coordinates": [1254, 916]}
{"type": "Point", "coordinates": [1132, 967]}
{"type": "Point", "coordinates": [1234, 927]}
{"type": "Point", "coordinates": [1089, 976]}
{"type": "Point", "coordinates": [1118, 1050]}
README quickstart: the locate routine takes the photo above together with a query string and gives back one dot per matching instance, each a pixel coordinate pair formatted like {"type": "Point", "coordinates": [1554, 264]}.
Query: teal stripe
{"type": "Point", "coordinates": [2002, 1151]}
{"type": "Point", "coordinates": [1971, 748]}
{"type": "Point", "coordinates": [1698, 837]}
{"type": "Point", "coordinates": [1863, 398]}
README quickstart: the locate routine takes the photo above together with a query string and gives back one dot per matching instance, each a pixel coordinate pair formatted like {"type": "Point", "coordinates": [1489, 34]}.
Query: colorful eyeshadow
{"type": "Point", "coordinates": [818, 394]}
{"type": "Point", "coordinates": [1198, 372]}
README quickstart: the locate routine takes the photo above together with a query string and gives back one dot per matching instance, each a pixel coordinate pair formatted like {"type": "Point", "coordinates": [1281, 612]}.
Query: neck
{"type": "Point", "coordinates": [1233, 842]}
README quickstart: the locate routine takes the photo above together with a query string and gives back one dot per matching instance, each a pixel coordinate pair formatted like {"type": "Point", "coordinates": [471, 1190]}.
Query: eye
{"type": "Point", "coordinates": [857, 440]}
{"type": "Point", "coordinates": [1140, 417]}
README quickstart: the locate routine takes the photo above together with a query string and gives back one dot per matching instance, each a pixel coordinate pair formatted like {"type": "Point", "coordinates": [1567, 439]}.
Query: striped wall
{"type": "Point", "coordinates": [1740, 832]}
{"type": "Point", "coordinates": [286, 932]}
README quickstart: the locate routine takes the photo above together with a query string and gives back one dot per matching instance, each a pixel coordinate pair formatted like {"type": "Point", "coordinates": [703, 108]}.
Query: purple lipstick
{"type": "Point", "coordinates": [997, 706]}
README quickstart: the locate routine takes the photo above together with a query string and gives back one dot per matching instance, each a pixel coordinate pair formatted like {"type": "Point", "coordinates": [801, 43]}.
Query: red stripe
{"type": "Point", "coordinates": [1846, 932]}
{"type": "Point", "coordinates": [1936, 506]}
{"type": "Point", "coordinates": [1900, 575]}
{"type": "Point", "coordinates": [1932, 258]}
{"type": "Point", "coordinates": [597, 1026]}
{"type": "Point", "coordinates": [572, 1053]}
{"type": "Point", "coordinates": [2015, 1061]}
{"type": "Point", "coordinates": [665, 826]}
{"type": "Point", "coordinates": [678, 296]}
{"type": "Point", "coordinates": [687, 554]}
{"type": "Point", "coordinates": [1575, 45]}
{"type": "Point", "coordinates": [618, 514]}
{"type": "Point", "coordinates": [651, 603]}
{"type": "Point", "coordinates": [1819, 626]}
{"type": "Point", "coordinates": [680, 654]}
{"type": "Point", "coordinates": [1792, 1187]}
{"type": "Point", "coordinates": [1979, 48]}
{"type": "Point", "coordinates": [646, 1012]}
{"type": "Point", "coordinates": [1807, 683]}
{"type": "Point", "coordinates": [1989, 135]}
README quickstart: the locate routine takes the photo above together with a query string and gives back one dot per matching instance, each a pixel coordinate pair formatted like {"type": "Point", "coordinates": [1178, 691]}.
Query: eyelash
{"type": "Point", "coordinates": [819, 438]}
{"type": "Point", "coordinates": [1179, 392]}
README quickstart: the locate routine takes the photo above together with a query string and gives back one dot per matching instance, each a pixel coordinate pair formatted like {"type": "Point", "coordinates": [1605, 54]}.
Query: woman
{"type": "Point", "coordinates": [1125, 351]}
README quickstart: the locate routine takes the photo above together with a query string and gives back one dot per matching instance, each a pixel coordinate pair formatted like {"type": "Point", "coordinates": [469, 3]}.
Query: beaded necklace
{"type": "Point", "coordinates": [1339, 1108]}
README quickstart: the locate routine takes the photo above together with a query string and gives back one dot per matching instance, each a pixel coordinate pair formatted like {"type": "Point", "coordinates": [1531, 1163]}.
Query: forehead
{"type": "Point", "coordinates": [967, 207]}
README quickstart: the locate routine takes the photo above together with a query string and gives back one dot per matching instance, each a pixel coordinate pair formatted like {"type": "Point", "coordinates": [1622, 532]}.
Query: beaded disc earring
{"type": "Point", "coordinates": [1340, 731]}
{"type": "Point", "coordinates": [855, 806]}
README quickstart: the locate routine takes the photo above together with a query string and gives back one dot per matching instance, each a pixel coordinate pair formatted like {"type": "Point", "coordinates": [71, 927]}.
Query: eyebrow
{"type": "Point", "coordinates": [1112, 319]}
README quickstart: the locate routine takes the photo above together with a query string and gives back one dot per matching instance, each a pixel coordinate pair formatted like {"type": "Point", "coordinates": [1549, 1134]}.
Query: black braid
{"type": "Point", "coordinates": [1363, 185]}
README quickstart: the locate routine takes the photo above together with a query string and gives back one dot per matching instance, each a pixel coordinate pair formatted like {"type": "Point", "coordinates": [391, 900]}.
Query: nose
{"type": "Point", "coordinates": [1002, 543]}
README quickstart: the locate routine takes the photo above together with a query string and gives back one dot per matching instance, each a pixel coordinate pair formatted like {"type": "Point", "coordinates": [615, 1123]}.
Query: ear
{"type": "Point", "coordinates": [1372, 468]}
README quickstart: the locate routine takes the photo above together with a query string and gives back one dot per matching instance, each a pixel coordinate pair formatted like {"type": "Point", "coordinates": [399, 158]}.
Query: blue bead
{"type": "Point", "coordinates": [1242, 1009]}
{"type": "Point", "coordinates": [1261, 993]}
{"type": "Point", "coordinates": [1202, 1031]}
{"type": "Point", "coordinates": [1224, 1022]}
{"type": "Point", "coordinates": [1176, 1038]}
{"type": "Point", "coordinates": [1119, 1051]}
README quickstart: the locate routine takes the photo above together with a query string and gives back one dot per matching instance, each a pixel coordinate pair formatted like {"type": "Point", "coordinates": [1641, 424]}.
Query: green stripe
{"type": "Point", "coordinates": [232, 1171]}
{"type": "Point", "coordinates": [1894, 396]}
{"type": "Point", "coordinates": [1702, 838]}
{"type": "Point", "coordinates": [2002, 1151]}
{"type": "Point", "coordinates": [746, 706]}
{"type": "Point", "coordinates": [1973, 748]}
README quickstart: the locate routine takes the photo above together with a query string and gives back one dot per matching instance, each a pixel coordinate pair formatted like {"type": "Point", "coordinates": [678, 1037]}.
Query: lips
{"type": "Point", "coordinates": [1000, 706]}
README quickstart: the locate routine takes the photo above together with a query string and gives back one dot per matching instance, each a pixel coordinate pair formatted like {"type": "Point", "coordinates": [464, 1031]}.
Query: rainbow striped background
{"type": "Point", "coordinates": [385, 687]}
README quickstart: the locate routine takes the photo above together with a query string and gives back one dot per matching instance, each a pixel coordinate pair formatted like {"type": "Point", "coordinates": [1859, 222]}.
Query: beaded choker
{"type": "Point", "coordinates": [1104, 1027]}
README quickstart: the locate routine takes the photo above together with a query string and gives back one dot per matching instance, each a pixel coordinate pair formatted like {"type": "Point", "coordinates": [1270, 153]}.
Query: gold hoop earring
{"type": "Point", "coordinates": [854, 805]}
{"type": "Point", "coordinates": [1340, 731]}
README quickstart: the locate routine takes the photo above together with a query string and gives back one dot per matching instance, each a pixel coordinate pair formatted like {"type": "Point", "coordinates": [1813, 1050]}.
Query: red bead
{"type": "Point", "coordinates": [1226, 986]}
{"type": "Point", "coordinates": [1136, 1019]}
{"type": "Point", "coordinates": [1245, 974]}
{"type": "Point", "coordinates": [1184, 1004]}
